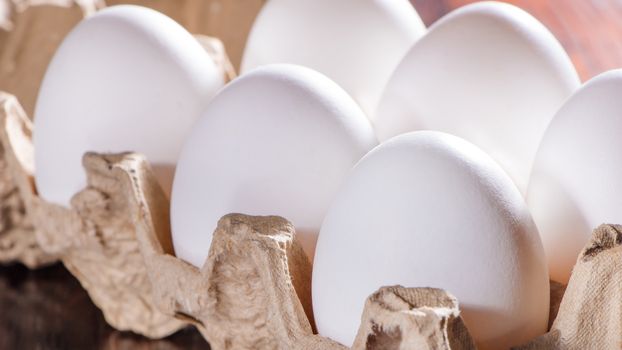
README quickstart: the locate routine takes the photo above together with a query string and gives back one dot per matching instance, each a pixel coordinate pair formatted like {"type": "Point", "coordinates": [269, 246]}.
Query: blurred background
{"type": "Point", "coordinates": [589, 30]}
{"type": "Point", "coordinates": [47, 308]}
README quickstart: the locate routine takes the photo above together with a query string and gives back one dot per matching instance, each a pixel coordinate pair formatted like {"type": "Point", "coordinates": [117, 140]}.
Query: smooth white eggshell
{"type": "Point", "coordinates": [357, 43]}
{"type": "Point", "coordinates": [125, 79]}
{"type": "Point", "coordinates": [277, 141]}
{"type": "Point", "coordinates": [427, 209]}
{"type": "Point", "coordinates": [487, 72]}
{"type": "Point", "coordinates": [576, 183]}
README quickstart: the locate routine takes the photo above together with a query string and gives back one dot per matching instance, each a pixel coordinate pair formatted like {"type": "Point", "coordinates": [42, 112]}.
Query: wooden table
{"type": "Point", "coordinates": [48, 309]}
{"type": "Point", "coordinates": [589, 30]}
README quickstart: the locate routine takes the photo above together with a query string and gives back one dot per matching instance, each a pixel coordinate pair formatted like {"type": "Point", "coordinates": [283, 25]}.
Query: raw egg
{"type": "Point", "coordinates": [357, 43]}
{"type": "Point", "coordinates": [125, 79]}
{"type": "Point", "coordinates": [576, 183]}
{"type": "Point", "coordinates": [487, 72]}
{"type": "Point", "coordinates": [276, 141]}
{"type": "Point", "coordinates": [427, 209]}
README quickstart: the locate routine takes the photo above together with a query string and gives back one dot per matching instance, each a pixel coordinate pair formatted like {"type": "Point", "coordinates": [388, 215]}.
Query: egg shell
{"type": "Point", "coordinates": [125, 79]}
{"type": "Point", "coordinates": [277, 141]}
{"type": "Point", "coordinates": [576, 183]}
{"type": "Point", "coordinates": [427, 209]}
{"type": "Point", "coordinates": [357, 43]}
{"type": "Point", "coordinates": [487, 72]}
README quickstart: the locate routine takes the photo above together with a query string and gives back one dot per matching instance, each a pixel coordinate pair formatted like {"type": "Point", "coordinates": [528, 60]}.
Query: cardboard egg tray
{"type": "Point", "coordinates": [254, 291]}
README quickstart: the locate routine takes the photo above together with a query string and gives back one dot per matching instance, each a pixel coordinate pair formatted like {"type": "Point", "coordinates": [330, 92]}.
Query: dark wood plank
{"type": "Point", "coordinates": [48, 309]}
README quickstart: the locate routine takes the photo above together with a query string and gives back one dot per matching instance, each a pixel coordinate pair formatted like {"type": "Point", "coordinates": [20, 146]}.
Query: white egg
{"type": "Point", "coordinates": [487, 72]}
{"type": "Point", "coordinates": [125, 79]}
{"type": "Point", "coordinates": [427, 209]}
{"type": "Point", "coordinates": [277, 141]}
{"type": "Point", "coordinates": [357, 43]}
{"type": "Point", "coordinates": [576, 183]}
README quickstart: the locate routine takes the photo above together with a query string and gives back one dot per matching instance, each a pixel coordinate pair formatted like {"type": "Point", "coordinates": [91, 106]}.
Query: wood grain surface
{"type": "Point", "coordinates": [589, 30]}
{"type": "Point", "coordinates": [47, 309]}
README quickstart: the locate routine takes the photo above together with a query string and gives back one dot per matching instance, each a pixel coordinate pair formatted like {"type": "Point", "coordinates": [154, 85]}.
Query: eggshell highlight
{"type": "Point", "coordinates": [125, 79]}
{"type": "Point", "coordinates": [427, 209]}
{"type": "Point", "coordinates": [576, 183]}
{"type": "Point", "coordinates": [357, 43]}
{"type": "Point", "coordinates": [487, 72]}
{"type": "Point", "coordinates": [277, 141]}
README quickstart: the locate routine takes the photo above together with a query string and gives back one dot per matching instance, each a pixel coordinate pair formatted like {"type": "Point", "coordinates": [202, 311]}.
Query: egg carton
{"type": "Point", "coordinates": [27, 49]}
{"type": "Point", "coordinates": [254, 289]}
{"type": "Point", "coordinates": [17, 239]}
